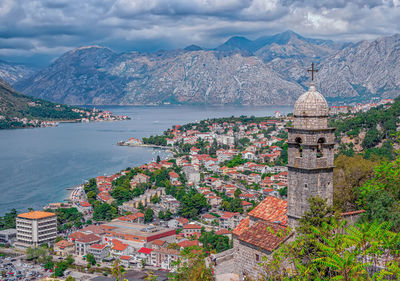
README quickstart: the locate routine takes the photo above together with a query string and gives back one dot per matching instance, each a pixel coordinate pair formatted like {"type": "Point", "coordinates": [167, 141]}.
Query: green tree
{"type": "Point", "coordinates": [148, 215]}
{"type": "Point", "coordinates": [380, 196]}
{"type": "Point", "coordinates": [372, 138]}
{"type": "Point", "coordinates": [348, 175]}
{"type": "Point", "coordinates": [104, 212]}
{"type": "Point", "coordinates": [155, 199]}
{"type": "Point", "coordinates": [237, 193]}
{"type": "Point", "coordinates": [192, 204]}
{"type": "Point", "coordinates": [90, 259]}
{"type": "Point", "coordinates": [117, 270]}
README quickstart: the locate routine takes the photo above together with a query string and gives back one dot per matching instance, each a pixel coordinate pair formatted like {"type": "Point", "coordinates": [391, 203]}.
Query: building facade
{"type": "Point", "coordinates": [310, 154]}
{"type": "Point", "coordinates": [36, 228]}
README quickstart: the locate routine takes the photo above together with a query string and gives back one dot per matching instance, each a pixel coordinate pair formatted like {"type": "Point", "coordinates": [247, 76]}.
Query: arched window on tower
{"type": "Point", "coordinates": [320, 149]}
{"type": "Point", "coordinates": [299, 147]}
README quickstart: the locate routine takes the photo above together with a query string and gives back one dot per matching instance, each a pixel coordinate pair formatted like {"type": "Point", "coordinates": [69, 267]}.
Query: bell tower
{"type": "Point", "coordinates": [310, 153]}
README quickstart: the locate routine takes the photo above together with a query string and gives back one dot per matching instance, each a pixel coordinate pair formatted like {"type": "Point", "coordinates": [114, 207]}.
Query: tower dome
{"type": "Point", "coordinates": [311, 104]}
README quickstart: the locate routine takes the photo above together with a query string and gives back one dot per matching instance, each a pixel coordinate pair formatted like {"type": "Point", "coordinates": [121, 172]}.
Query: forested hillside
{"type": "Point", "coordinates": [372, 133]}
{"type": "Point", "coordinates": [17, 109]}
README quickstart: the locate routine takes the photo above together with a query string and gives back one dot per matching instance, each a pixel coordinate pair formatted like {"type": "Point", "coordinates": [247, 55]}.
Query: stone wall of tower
{"type": "Point", "coordinates": [303, 184]}
{"type": "Point", "coordinates": [310, 122]}
{"type": "Point", "coordinates": [310, 165]}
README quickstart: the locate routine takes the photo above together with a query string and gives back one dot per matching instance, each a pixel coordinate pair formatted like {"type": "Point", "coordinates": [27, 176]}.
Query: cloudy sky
{"type": "Point", "coordinates": [37, 31]}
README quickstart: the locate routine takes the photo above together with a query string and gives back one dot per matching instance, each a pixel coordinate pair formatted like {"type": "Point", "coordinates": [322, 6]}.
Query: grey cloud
{"type": "Point", "coordinates": [45, 27]}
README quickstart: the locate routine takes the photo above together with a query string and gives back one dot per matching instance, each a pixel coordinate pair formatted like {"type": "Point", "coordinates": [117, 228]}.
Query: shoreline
{"type": "Point", "coordinates": [123, 143]}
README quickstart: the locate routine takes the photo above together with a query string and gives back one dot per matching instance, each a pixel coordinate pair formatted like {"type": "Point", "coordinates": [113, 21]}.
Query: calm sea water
{"type": "Point", "coordinates": [37, 165]}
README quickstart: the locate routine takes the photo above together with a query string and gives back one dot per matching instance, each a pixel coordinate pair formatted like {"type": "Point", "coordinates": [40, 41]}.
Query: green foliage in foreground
{"type": "Point", "coordinates": [331, 250]}
{"type": "Point", "coordinates": [8, 220]}
{"type": "Point", "coordinates": [191, 266]}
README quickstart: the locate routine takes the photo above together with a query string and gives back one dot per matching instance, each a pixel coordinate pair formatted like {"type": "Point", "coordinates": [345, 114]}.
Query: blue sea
{"type": "Point", "coordinates": [37, 165]}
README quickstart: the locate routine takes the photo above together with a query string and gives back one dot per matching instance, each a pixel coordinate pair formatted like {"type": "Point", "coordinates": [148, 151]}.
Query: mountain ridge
{"type": "Point", "coordinates": [267, 70]}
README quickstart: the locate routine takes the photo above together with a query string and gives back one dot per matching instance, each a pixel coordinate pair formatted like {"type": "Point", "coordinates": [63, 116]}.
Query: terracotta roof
{"type": "Point", "coordinates": [183, 220]}
{"type": "Point", "coordinates": [85, 204]}
{"type": "Point", "coordinates": [265, 235]}
{"type": "Point", "coordinates": [145, 250]}
{"type": "Point", "coordinates": [98, 246]}
{"type": "Point", "coordinates": [188, 243]}
{"type": "Point", "coordinates": [158, 242]}
{"type": "Point", "coordinates": [119, 246]}
{"type": "Point", "coordinates": [352, 213]}
{"type": "Point", "coordinates": [209, 216]}
{"type": "Point", "coordinates": [125, 258]}
{"type": "Point", "coordinates": [228, 215]}
{"type": "Point", "coordinates": [34, 215]}
{"type": "Point", "coordinates": [191, 226]}
{"type": "Point", "coordinates": [271, 209]}
{"type": "Point", "coordinates": [245, 203]}
{"type": "Point", "coordinates": [96, 229]}
{"type": "Point", "coordinates": [63, 244]}
{"type": "Point", "coordinates": [87, 238]}
{"type": "Point", "coordinates": [173, 175]}
{"type": "Point", "coordinates": [168, 251]}
{"type": "Point", "coordinates": [223, 231]}
{"type": "Point", "coordinates": [244, 223]}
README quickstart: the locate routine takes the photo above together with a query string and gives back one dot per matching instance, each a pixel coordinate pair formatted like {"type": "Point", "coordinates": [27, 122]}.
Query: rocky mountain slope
{"type": "Point", "coordinates": [95, 75]}
{"type": "Point", "coordinates": [13, 73]}
{"type": "Point", "coordinates": [268, 70]}
{"type": "Point", "coordinates": [366, 68]}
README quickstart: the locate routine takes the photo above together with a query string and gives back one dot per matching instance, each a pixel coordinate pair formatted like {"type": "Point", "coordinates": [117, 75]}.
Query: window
{"type": "Point", "coordinates": [320, 149]}
{"type": "Point", "coordinates": [299, 147]}
{"type": "Point", "coordinates": [257, 257]}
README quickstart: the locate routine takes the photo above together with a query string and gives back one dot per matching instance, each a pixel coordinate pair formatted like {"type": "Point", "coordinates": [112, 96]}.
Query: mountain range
{"type": "Point", "coordinates": [267, 70]}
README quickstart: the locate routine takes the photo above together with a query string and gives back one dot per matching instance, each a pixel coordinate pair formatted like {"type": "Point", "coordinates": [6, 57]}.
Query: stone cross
{"type": "Point", "coordinates": [312, 70]}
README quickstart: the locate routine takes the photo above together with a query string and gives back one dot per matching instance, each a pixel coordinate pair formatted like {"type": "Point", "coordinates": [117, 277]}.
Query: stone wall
{"type": "Point", "coordinates": [303, 184]}
{"type": "Point", "coordinates": [245, 257]}
{"type": "Point", "coordinates": [311, 122]}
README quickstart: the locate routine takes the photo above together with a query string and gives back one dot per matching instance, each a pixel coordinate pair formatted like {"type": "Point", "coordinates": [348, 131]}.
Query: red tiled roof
{"type": "Point", "coordinates": [228, 215]}
{"type": "Point", "coordinates": [96, 229]}
{"type": "Point", "coordinates": [98, 246]}
{"type": "Point", "coordinates": [271, 209]}
{"type": "Point", "coordinates": [245, 203]}
{"type": "Point", "coordinates": [223, 231]}
{"type": "Point", "coordinates": [119, 246]}
{"type": "Point", "coordinates": [208, 216]}
{"type": "Point", "coordinates": [265, 235]}
{"type": "Point", "coordinates": [352, 213]}
{"type": "Point", "coordinates": [158, 242]}
{"type": "Point", "coordinates": [183, 220]}
{"type": "Point", "coordinates": [188, 243]}
{"type": "Point", "coordinates": [173, 175]}
{"type": "Point", "coordinates": [63, 244]}
{"type": "Point", "coordinates": [87, 238]}
{"type": "Point", "coordinates": [126, 258]}
{"type": "Point", "coordinates": [244, 223]}
{"type": "Point", "coordinates": [191, 226]}
{"type": "Point", "coordinates": [85, 204]}
{"type": "Point", "coordinates": [145, 250]}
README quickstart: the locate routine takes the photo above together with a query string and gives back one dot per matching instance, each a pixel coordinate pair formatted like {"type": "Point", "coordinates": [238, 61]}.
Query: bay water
{"type": "Point", "coordinates": [37, 165]}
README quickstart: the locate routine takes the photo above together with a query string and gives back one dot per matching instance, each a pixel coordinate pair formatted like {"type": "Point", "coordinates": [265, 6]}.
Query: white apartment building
{"type": "Point", "coordinates": [36, 228]}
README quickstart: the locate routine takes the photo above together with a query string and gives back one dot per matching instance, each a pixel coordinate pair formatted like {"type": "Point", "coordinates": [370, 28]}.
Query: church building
{"type": "Point", "coordinates": [310, 173]}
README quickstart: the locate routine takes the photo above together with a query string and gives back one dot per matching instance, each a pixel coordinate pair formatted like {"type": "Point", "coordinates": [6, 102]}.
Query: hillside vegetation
{"type": "Point", "coordinates": [16, 109]}
{"type": "Point", "coordinates": [372, 133]}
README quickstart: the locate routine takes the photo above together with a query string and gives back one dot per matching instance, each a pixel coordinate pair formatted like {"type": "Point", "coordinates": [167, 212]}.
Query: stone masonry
{"type": "Point", "coordinates": [310, 154]}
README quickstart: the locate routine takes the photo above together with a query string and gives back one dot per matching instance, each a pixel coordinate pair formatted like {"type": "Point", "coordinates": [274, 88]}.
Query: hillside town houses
{"type": "Point", "coordinates": [234, 165]}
